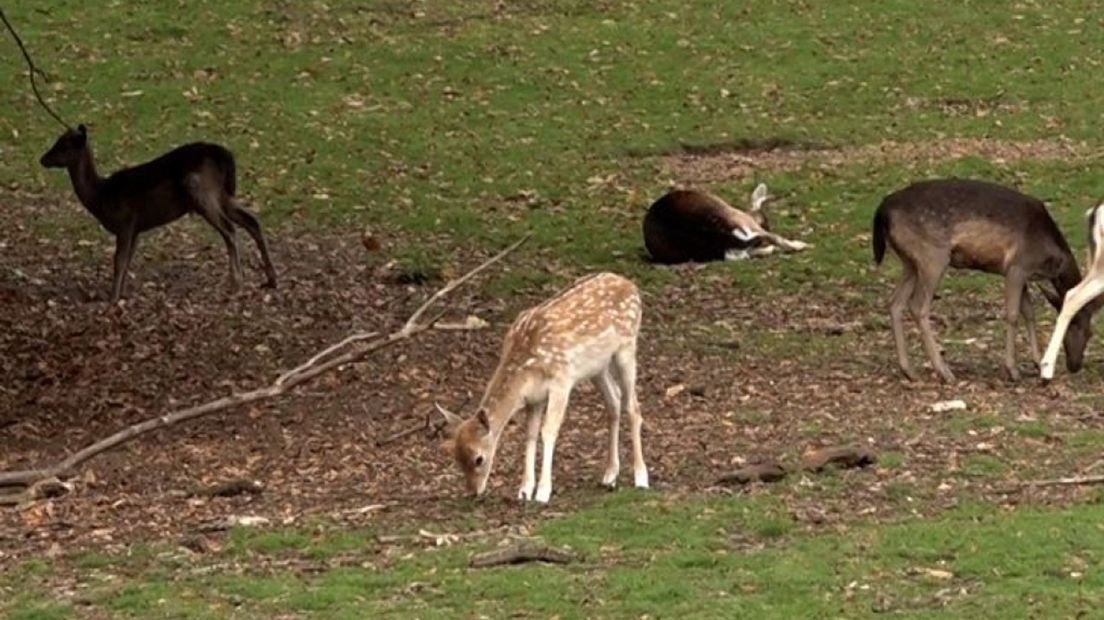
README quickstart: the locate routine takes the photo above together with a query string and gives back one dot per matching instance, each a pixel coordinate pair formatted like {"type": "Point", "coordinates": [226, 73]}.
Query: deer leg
{"type": "Point", "coordinates": [1076, 298]}
{"type": "Point", "coordinates": [246, 220]}
{"type": "Point", "coordinates": [626, 370]}
{"type": "Point", "coordinates": [1027, 311]}
{"type": "Point", "coordinates": [605, 385]}
{"type": "Point", "coordinates": [1015, 280]}
{"type": "Point", "coordinates": [550, 429]}
{"type": "Point", "coordinates": [784, 243]}
{"type": "Point", "coordinates": [532, 432]}
{"type": "Point", "coordinates": [125, 243]}
{"type": "Point", "coordinates": [920, 305]}
{"type": "Point", "coordinates": [226, 230]}
{"type": "Point", "coordinates": [897, 306]}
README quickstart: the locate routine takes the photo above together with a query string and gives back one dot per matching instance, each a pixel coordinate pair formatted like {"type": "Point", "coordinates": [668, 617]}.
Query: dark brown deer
{"type": "Point", "coordinates": [690, 225]}
{"type": "Point", "coordinates": [194, 178]}
{"type": "Point", "coordinates": [982, 226]}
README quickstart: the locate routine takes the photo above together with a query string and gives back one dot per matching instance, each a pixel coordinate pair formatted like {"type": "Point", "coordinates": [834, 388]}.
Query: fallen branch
{"type": "Point", "coordinates": [844, 457]}
{"type": "Point", "coordinates": [230, 488]}
{"type": "Point", "coordinates": [285, 382]}
{"type": "Point", "coordinates": [41, 489]}
{"type": "Point", "coordinates": [757, 472]}
{"type": "Point", "coordinates": [522, 552]}
{"type": "Point", "coordinates": [1071, 481]}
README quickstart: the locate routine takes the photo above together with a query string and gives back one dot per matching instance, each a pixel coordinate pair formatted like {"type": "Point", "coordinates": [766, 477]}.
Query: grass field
{"type": "Point", "coordinates": [451, 127]}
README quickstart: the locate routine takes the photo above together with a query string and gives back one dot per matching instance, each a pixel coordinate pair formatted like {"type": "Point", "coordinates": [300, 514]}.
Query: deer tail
{"type": "Point", "coordinates": [230, 174]}
{"type": "Point", "coordinates": [881, 230]}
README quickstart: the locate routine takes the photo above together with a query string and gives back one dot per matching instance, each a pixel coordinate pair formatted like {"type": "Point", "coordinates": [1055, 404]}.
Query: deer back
{"type": "Point", "coordinates": [571, 335]}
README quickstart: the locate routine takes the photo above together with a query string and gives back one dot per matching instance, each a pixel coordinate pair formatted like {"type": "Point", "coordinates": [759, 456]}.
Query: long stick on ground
{"type": "Point", "coordinates": [1071, 481]}
{"type": "Point", "coordinates": [284, 383]}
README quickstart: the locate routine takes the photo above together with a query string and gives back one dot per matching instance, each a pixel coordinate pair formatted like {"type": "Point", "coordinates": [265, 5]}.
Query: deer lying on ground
{"type": "Point", "coordinates": [1084, 297]}
{"type": "Point", "coordinates": [194, 178]}
{"type": "Point", "coordinates": [689, 225]}
{"type": "Point", "coordinates": [982, 226]}
{"type": "Point", "coordinates": [588, 331]}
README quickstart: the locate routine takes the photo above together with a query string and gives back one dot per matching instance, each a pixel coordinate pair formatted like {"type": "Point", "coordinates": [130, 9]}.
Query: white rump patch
{"type": "Point", "coordinates": [1097, 231]}
{"type": "Point", "coordinates": [744, 234]}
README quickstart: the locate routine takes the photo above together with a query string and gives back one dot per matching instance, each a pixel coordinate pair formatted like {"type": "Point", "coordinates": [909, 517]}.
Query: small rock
{"type": "Point", "coordinates": [944, 406]}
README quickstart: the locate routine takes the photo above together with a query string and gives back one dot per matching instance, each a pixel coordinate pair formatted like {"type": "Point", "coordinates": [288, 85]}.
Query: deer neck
{"type": "Point", "coordinates": [86, 181]}
{"type": "Point", "coordinates": [1068, 278]}
{"type": "Point", "coordinates": [504, 397]}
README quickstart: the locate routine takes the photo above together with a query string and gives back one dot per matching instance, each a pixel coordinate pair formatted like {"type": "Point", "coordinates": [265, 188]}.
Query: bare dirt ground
{"type": "Point", "coordinates": [724, 378]}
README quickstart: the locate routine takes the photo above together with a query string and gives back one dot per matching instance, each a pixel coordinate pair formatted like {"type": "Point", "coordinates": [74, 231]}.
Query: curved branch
{"type": "Point", "coordinates": [285, 382]}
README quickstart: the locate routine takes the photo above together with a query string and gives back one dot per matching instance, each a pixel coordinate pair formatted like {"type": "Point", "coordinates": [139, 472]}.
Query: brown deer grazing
{"type": "Point", "coordinates": [1086, 295]}
{"type": "Point", "coordinates": [588, 331]}
{"type": "Point", "coordinates": [194, 178]}
{"type": "Point", "coordinates": [983, 226]}
{"type": "Point", "coordinates": [689, 225]}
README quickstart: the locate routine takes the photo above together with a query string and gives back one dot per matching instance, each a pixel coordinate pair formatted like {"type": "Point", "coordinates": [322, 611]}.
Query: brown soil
{"type": "Point", "coordinates": [75, 369]}
{"type": "Point", "coordinates": [701, 166]}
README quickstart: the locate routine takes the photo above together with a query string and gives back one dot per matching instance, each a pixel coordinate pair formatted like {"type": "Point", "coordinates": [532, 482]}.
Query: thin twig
{"type": "Point", "coordinates": [425, 425]}
{"type": "Point", "coordinates": [323, 353]}
{"type": "Point", "coordinates": [32, 69]}
{"type": "Point", "coordinates": [403, 433]}
{"type": "Point", "coordinates": [448, 288]}
{"type": "Point", "coordinates": [301, 375]}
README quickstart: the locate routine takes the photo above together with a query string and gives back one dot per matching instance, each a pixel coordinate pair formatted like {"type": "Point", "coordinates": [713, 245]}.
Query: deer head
{"type": "Point", "coordinates": [67, 150]}
{"type": "Point", "coordinates": [759, 197]}
{"type": "Point", "coordinates": [1079, 331]}
{"type": "Point", "coordinates": [472, 444]}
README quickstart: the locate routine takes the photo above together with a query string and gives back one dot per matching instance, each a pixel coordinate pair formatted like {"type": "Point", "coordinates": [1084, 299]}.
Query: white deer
{"type": "Point", "coordinates": [1082, 300]}
{"type": "Point", "coordinates": [588, 331]}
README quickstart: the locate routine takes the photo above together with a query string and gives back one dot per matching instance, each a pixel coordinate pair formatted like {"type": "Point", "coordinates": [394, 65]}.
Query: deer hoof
{"type": "Point", "coordinates": [910, 374]}
{"type": "Point", "coordinates": [641, 479]}
{"type": "Point", "coordinates": [525, 493]}
{"type": "Point", "coordinates": [609, 479]}
{"type": "Point", "coordinates": [1011, 373]}
{"type": "Point", "coordinates": [543, 495]}
{"type": "Point", "coordinates": [1046, 371]}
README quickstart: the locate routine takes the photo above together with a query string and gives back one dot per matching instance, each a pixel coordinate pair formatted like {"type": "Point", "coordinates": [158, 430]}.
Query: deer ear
{"type": "Point", "coordinates": [484, 421]}
{"type": "Point", "coordinates": [82, 130]}
{"type": "Point", "coordinates": [759, 196]}
{"type": "Point", "coordinates": [451, 419]}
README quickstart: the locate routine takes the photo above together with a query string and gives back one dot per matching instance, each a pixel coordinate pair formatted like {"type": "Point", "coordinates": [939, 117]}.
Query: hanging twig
{"type": "Point", "coordinates": [32, 69]}
{"type": "Point", "coordinates": [284, 383]}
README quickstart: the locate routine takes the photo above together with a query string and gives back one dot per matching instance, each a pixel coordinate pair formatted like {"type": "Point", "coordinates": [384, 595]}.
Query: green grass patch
{"type": "Point", "coordinates": [892, 459]}
{"type": "Point", "coordinates": [694, 556]}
